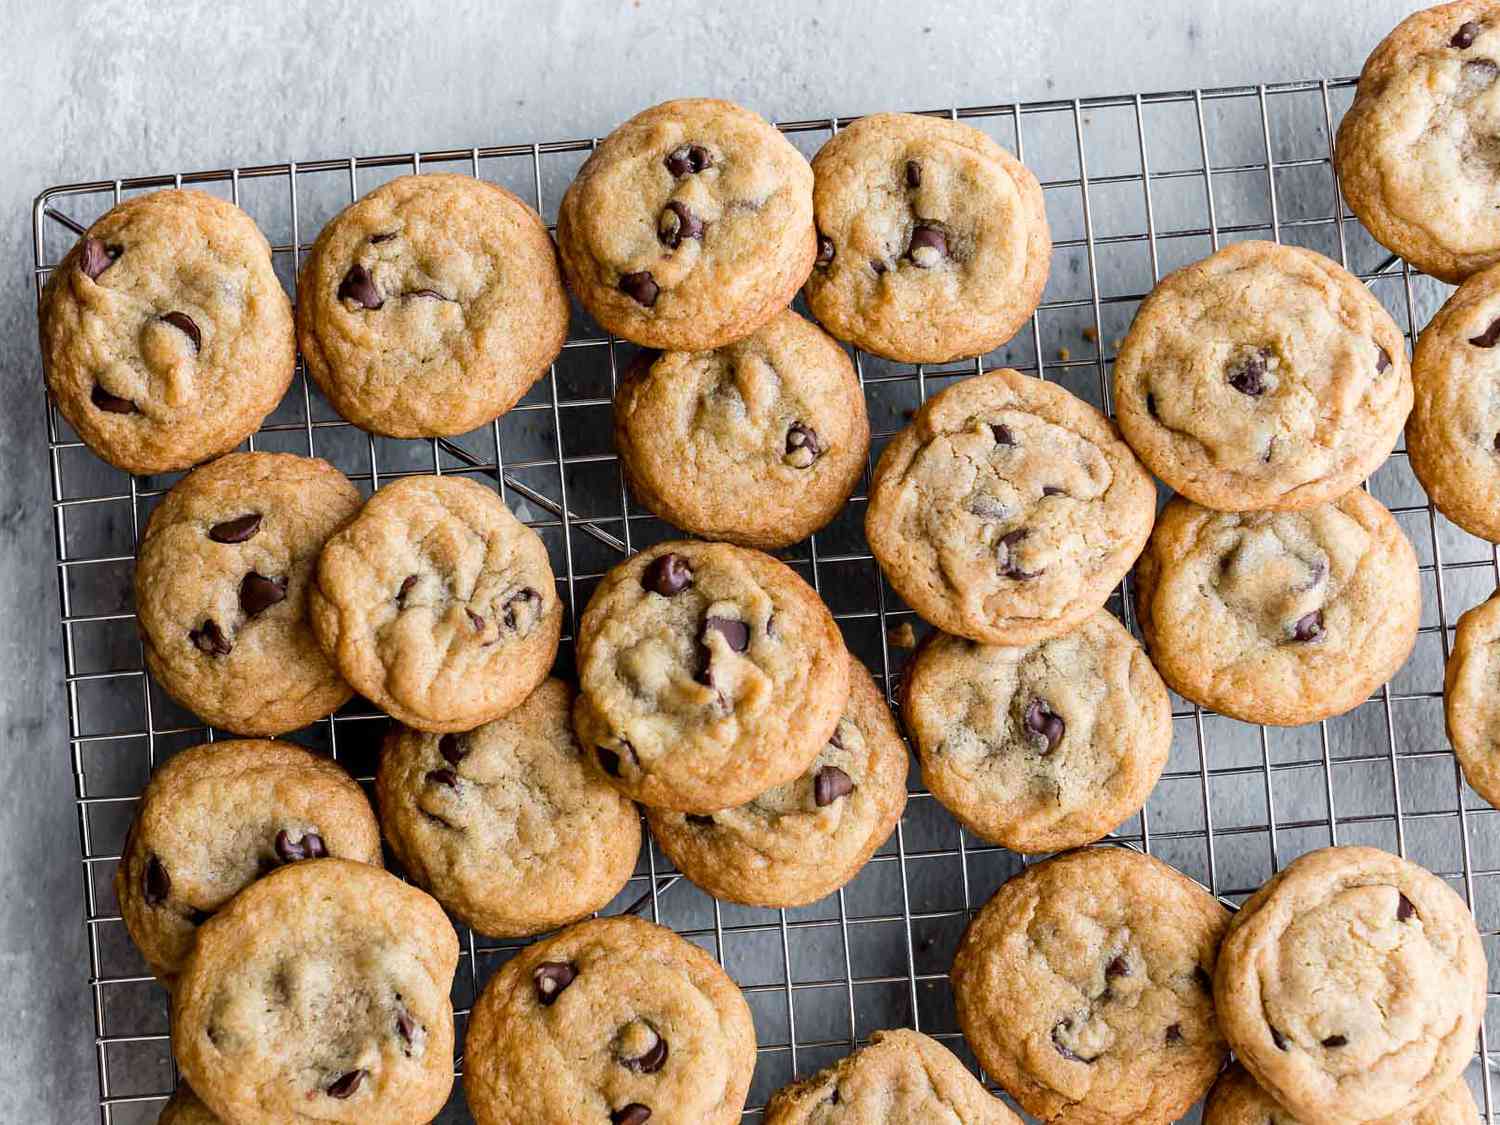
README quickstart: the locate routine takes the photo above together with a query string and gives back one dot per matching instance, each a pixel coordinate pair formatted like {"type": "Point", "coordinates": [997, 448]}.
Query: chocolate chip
{"type": "Point", "coordinates": [1205, 982]}
{"type": "Point", "coordinates": [1119, 967]}
{"type": "Point", "coordinates": [1048, 724]}
{"type": "Point", "coordinates": [652, 1059]}
{"type": "Point", "coordinates": [829, 784]}
{"type": "Point", "coordinates": [157, 884]}
{"type": "Point", "coordinates": [736, 634]}
{"type": "Point", "coordinates": [550, 978]}
{"type": "Point", "coordinates": [878, 266]}
{"type": "Point", "coordinates": [1003, 434]}
{"type": "Point", "coordinates": [988, 507]}
{"type": "Point", "coordinates": [913, 174]}
{"type": "Point", "coordinates": [1062, 1048]}
{"type": "Point", "coordinates": [358, 286]}
{"type": "Point", "coordinates": [406, 584]}
{"type": "Point", "coordinates": [1382, 360]}
{"type": "Point", "coordinates": [1464, 37]}
{"type": "Point", "coordinates": [442, 777]}
{"type": "Point", "coordinates": [309, 846]}
{"type": "Point", "coordinates": [1309, 627]}
{"type": "Point", "coordinates": [825, 251]}
{"type": "Point", "coordinates": [928, 247]}
{"type": "Point", "coordinates": [1151, 405]}
{"type": "Point", "coordinates": [667, 575]}
{"type": "Point", "coordinates": [676, 223]}
{"type": "Point", "coordinates": [112, 404]}
{"type": "Point", "coordinates": [1336, 1041]}
{"type": "Point", "coordinates": [96, 257]}
{"type": "Point", "coordinates": [1174, 1033]}
{"type": "Point", "coordinates": [1248, 374]}
{"type": "Point", "coordinates": [198, 917]}
{"type": "Point", "coordinates": [835, 741]}
{"type": "Point", "coordinates": [475, 620]}
{"type": "Point", "coordinates": [405, 1026]}
{"type": "Point", "coordinates": [1478, 74]}
{"type": "Point", "coordinates": [1003, 556]}
{"type": "Point", "coordinates": [1497, 443]}
{"type": "Point", "coordinates": [640, 287]}
{"type": "Point", "coordinates": [259, 593]}
{"type": "Point", "coordinates": [184, 324]}
{"type": "Point", "coordinates": [520, 604]}
{"type": "Point", "coordinates": [345, 1084]}
{"type": "Point", "coordinates": [802, 446]}
{"type": "Point", "coordinates": [685, 160]}
{"type": "Point", "coordinates": [633, 1114]}
{"type": "Point", "coordinates": [237, 530]}
{"type": "Point", "coordinates": [1052, 490]}
{"type": "Point", "coordinates": [210, 639]}
{"type": "Point", "coordinates": [609, 761]}
{"type": "Point", "coordinates": [697, 820]}
{"type": "Point", "coordinates": [1489, 337]}
{"type": "Point", "coordinates": [1404, 909]}
{"type": "Point", "coordinates": [379, 238]}
{"type": "Point", "coordinates": [1279, 1039]}
{"type": "Point", "coordinates": [451, 751]}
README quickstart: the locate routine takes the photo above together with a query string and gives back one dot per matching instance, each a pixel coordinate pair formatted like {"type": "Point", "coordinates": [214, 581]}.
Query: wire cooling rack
{"type": "Point", "coordinates": [1135, 186]}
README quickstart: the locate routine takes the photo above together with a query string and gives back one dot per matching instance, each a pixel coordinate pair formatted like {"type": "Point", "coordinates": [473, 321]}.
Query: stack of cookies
{"type": "Point", "coordinates": [1262, 385]}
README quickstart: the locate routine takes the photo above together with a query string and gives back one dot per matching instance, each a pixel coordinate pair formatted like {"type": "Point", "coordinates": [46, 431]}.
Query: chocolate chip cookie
{"type": "Point", "coordinates": [507, 825]}
{"type": "Point", "coordinates": [807, 838]}
{"type": "Point", "coordinates": [1084, 988]}
{"type": "Point", "coordinates": [166, 336]}
{"type": "Point", "coordinates": [221, 584]}
{"type": "Point", "coordinates": [1351, 986]}
{"type": "Point", "coordinates": [689, 226]}
{"type": "Point", "coordinates": [1237, 1100]}
{"type": "Point", "coordinates": [1417, 149]}
{"type": "Point", "coordinates": [1264, 376]}
{"type": "Point", "coordinates": [1470, 688]}
{"type": "Point", "coordinates": [184, 1108]}
{"type": "Point", "coordinates": [1453, 434]}
{"type": "Point", "coordinates": [709, 674]}
{"type": "Point", "coordinates": [430, 306]}
{"type": "Point", "coordinates": [1008, 509]}
{"type": "Point", "coordinates": [437, 604]}
{"type": "Point", "coordinates": [612, 1020]}
{"type": "Point", "coordinates": [899, 1076]}
{"type": "Point", "coordinates": [1279, 617]}
{"type": "Point", "coordinates": [215, 818]}
{"type": "Point", "coordinates": [932, 239]}
{"type": "Point", "coordinates": [759, 442]}
{"type": "Point", "coordinates": [1045, 746]}
{"type": "Point", "coordinates": [320, 994]}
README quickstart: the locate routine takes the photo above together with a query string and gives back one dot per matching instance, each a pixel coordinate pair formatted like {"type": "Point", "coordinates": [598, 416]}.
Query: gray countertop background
{"type": "Point", "coordinates": [120, 87]}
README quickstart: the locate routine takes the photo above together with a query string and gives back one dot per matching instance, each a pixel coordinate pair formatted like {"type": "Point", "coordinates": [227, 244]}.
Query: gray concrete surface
{"type": "Point", "coordinates": [117, 87]}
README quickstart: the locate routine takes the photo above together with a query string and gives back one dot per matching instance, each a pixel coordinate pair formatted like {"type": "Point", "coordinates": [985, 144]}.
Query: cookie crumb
{"type": "Point", "coordinates": [1064, 354]}
{"type": "Point", "coordinates": [1091, 334]}
{"type": "Point", "coordinates": [903, 636]}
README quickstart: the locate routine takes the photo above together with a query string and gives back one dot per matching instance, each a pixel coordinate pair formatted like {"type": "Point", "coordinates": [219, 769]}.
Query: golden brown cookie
{"type": "Point", "coordinates": [1471, 687]}
{"type": "Point", "coordinates": [1237, 1100]}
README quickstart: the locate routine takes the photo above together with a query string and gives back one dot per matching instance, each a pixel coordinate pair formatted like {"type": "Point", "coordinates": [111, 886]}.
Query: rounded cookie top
{"type": "Point", "coordinates": [1279, 617]}
{"type": "Point", "coordinates": [437, 604]}
{"type": "Point", "coordinates": [689, 226]}
{"type": "Point", "coordinates": [1237, 1100]}
{"type": "Point", "coordinates": [1352, 985]}
{"type": "Point", "coordinates": [932, 239]}
{"type": "Point", "coordinates": [166, 336]}
{"type": "Point", "coordinates": [613, 1019]}
{"type": "Point", "coordinates": [899, 1076]}
{"type": "Point", "coordinates": [1084, 988]}
{"type": "Point", "coordinates": [1453, 434]}
{"type": "Point", "coordinates": [185, 1108]}
{"type": "Point", "coordinates": [1264, 376]}
{"type": "Point", "coordinates": [806, 838]}
{"type": "Point", "coordinates": [430, 306]}
{"type": "Point", "coordinates": [506, 825]}
{"type": "Point", "coordinates": [709, 674]}
{"type": "Point", "coordinates": [1470, 689]}
{"type": "Point", "coordinates": [759, 442]}
{"type": "Point", "coordinates": [1040, 747]}
{"type": "Point", "coordinates": [320, 994]}
{"type": "Point", "coordinates": [221, 582]}
{"type": "Point", "coordinates": [1008, 509]}
{"type": "Point", "coordinates": [215, 818]}
{"type": "Point", "coordinates": [1416, 149]}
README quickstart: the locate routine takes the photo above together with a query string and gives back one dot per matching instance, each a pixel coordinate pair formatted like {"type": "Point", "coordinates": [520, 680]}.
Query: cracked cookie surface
{"type": "Point", "coordinates": [1084, 988]}
{"type": "Point", "coordinates": [806, 838]}
{"type": "Point", "coordinates": [1352, 985]}
{"type": "Point", "coordinates": [899, 1076]}
{"type": "Point", "coordinates": [430, 306]}
{"type": "Point", "coordinates": [708, 674]}
{"type": "Point", "coordinates": [320, 994]}
{"type": "Point", "coordinates": [1008, 509]}
{"type": "Point", "coordinates": [689, 226]}
{"type": "Point", "coordinates": [166, 336]}
{"type": "Point", "coordinates": [1264, 376]}
{"type": "Point", "coordinates": [437, 604]}
{"type": "Point", "coordinates": [221, 583]}
{"type": "Point", "coordinates": [1470, 689]}
{"type": "Point", "coordinates": [759, 442]}
{"type": "Point", "coordinates": [1279, 617]}
{"type": "Point", "coordinates": [1040, 747]}
{"type": "Point", "coordinates": [1237, 1100]}
{"type": "Point", "coordinates": [506, 825]}
{"type": "Point", "coordinates": [612, 1020]}
{"type": "Point", "coordinates": [215, 818]}
{"type": "Point", "coordinates": [1453, 434]}
{"type": "Point", "coordinates": [932, 239]}
{"type": "Point", "coordinates": [1419, 148]}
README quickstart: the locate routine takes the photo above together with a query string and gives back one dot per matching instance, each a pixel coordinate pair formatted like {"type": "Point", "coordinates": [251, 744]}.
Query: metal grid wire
{"type": "Point", "coordinates": [1135, 185]}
